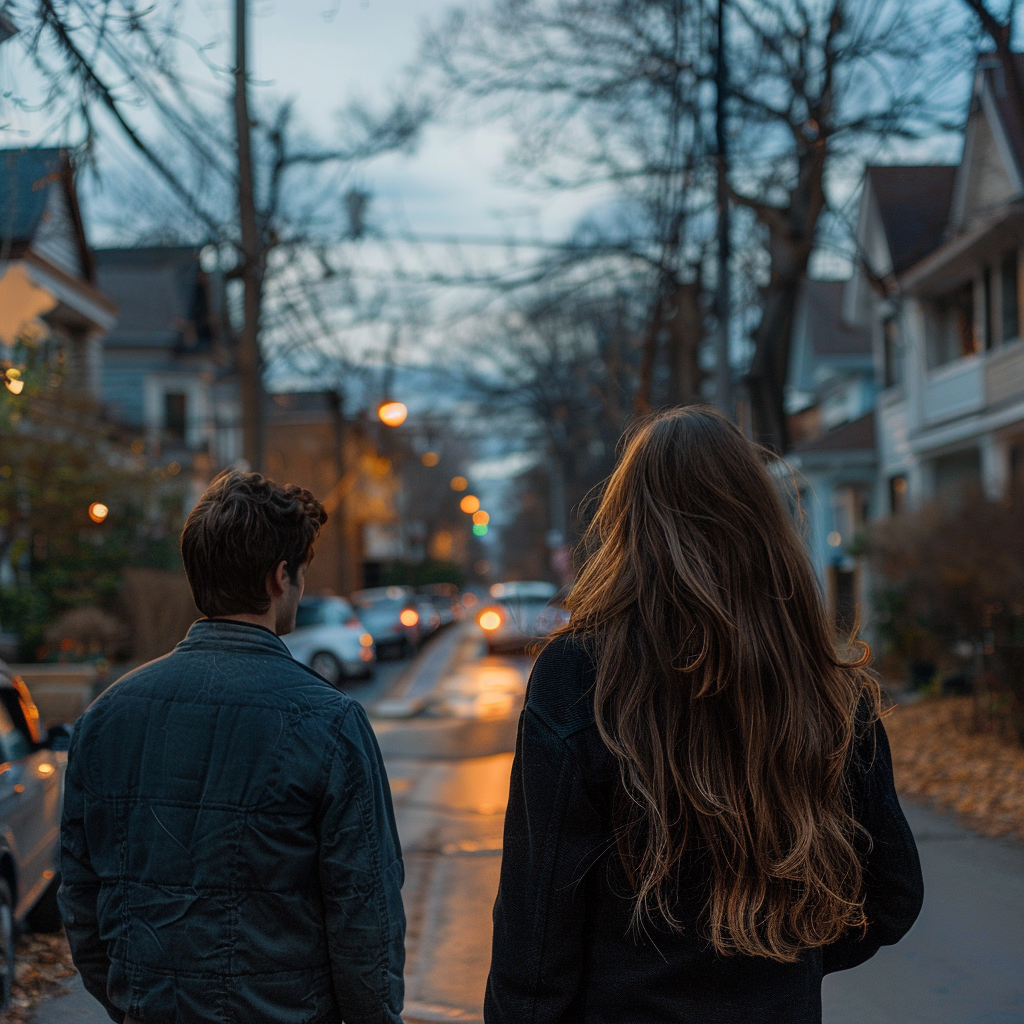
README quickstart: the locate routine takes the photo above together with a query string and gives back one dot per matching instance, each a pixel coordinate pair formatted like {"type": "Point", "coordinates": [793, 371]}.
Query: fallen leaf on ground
{"type": "Point", "coordinates": [42, 969]}
{"type": "Point", "coordinates": [938, 757]}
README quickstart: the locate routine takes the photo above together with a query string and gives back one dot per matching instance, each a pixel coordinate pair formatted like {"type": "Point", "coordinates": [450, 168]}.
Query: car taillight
{"type": "Point", "coordinates": [354, 621]}
{"type": "Point", "coordinates": [409, 617]}
{"type": "Point", "coordinates": [489, 619]}
{"type": "Point", "coordinates": [366, 640]}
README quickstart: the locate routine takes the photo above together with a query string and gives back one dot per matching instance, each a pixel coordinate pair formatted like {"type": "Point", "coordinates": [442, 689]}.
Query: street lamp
{"type": "Point", "coordinates": [469, 504]}
{"type": "Point", "coordinates": [392, 414]}
{"type": "Point", "coordinates": [98, 511]}
{"type": "Point", "coordinates": [459, 483]}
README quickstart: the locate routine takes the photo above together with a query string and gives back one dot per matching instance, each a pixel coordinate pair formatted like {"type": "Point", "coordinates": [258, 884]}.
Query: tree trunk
{"type": "Point", "coordinates": [249, 362]}
{"type": "Point", "coordinates": [723, 297]}
{"type": "Point", "coordinates": [684, 322]}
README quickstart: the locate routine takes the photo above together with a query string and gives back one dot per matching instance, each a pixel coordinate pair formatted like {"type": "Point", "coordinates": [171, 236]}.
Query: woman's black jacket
{"type": "Point", "coordinates": [563, 951]}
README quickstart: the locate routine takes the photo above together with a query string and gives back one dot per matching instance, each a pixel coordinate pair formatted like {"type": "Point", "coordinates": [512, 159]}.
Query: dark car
{"type": "Point", "coordinates": [32, 764]}
{"type": "Point", "coordinates": [391, 617]}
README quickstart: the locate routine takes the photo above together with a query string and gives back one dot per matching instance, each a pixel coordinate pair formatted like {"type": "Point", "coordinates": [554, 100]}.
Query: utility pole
{"type": "Point", "coordinates": [249, 361]}
{"type": "Point", "coordinates": [723, 298]}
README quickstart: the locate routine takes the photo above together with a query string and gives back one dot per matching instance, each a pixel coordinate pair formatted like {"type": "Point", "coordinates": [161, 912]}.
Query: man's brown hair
{"type": "Point", "coordinates": [241, 529]}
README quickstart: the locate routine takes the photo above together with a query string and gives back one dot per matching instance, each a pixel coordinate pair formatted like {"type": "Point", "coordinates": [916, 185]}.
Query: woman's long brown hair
{"type": "Point", "coordinates": [721, 691]}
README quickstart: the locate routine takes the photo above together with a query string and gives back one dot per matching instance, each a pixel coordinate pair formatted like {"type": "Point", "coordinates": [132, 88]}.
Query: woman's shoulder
{"type": "Point", "coordinates": [562, 683]}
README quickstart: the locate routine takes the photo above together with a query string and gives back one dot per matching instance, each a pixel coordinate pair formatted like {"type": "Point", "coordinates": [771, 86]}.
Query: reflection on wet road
{"type": "Point", "coordinates": [449, 773]}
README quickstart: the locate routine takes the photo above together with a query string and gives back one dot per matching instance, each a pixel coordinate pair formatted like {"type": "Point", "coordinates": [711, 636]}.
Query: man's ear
{"type": "Point", "coordinates": [278, 581]}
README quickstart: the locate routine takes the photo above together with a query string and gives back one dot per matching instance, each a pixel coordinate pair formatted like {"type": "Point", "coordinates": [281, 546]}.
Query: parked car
{"type": "Point", "coordinates": [392, 616]}
{"type": "Point", "coordinates": [518, 614]}
{"type": "Point", "coordinates": [330, 638]}
{"type": "Point", "coordinates": [32, 765]}
{"type": "Point", "coordinates": [445, 599]}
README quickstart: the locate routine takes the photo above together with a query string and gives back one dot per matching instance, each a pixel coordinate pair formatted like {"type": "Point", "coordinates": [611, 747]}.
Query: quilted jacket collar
{"type": "Point", "coordinates": [211, 634]}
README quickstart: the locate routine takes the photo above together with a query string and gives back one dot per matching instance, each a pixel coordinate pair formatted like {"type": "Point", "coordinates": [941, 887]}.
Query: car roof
{"type": "Point", "coordinates": [535, 589]}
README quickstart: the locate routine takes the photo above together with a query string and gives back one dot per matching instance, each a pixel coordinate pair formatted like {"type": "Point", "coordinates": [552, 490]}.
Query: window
{"type": "Point", "coordinates": [897, 495]}
{"type": "Point", "coordinates": [892, 369]}
{"type": "Point", "coordinates": [1010, 298]}
{"type": "Point", "coordinates": [174, 415]}
{"type": "Point", "coordinates": [955, 331]}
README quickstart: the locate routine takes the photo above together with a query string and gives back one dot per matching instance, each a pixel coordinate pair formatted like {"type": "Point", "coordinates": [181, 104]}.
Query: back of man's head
{"type": "Point", "coordinates": [240, 531]}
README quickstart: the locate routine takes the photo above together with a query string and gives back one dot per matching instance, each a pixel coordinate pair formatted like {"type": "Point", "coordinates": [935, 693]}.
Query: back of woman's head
{"type": "Point", "coordinates": [720, 691]}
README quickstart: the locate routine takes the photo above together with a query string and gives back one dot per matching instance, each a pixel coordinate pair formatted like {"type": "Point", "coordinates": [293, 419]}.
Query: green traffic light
{"type": "Point", "coordinates": [480, 529]}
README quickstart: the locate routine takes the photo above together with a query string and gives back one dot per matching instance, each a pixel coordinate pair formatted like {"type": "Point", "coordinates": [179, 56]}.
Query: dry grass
{"type": "Point", "coordinates": [940, 758]}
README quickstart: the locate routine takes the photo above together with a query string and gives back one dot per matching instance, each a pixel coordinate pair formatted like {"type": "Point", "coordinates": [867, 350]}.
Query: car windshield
{"type": "Point", "coordinates": [381, 611]}
{"type": "Point", "coordinates": [335, 612]}
{"type": "Point", "coordinates": [523, 613]}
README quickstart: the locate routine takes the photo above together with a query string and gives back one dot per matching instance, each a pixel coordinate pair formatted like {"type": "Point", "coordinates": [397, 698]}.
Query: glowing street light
{"type": "Point", "coordinates": [481, 518]}
{"type": "Point", "coordinates": [469, 504]}
{"type": "Point", "coordinates": [392, 414]}
{"type": "Point", "coordinates": [12, 378]}
{"type": "Point", "coordinates": [98, 511]}
{"type": "Point", "coordinates": [430, 458]}
{"type": "Point", "coordinates": [459, 483]}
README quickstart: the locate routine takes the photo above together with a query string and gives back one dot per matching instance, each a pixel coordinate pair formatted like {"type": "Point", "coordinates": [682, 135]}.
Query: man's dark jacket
{"type": "Point", "coordinates": [564, 952]}
{"type": "Point", "coordinates": [228, 849]}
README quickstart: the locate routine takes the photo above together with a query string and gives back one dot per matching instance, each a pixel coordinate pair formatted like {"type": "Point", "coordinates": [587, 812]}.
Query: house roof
{"type": "Point", "coordinates": [857, 435]}
{"type": "Point", "coordinates": [1011, 117]}
{"type": "Point", "coordinates": [829, 334]}
{"type": "Point", "coordinates": [26, 180]}
{"type": "Point", "coordinates": [913, 202]}
{"type": "Point", "coordinates": [155, 290]}
{"type": "Point", "coordinates": [24, 175]}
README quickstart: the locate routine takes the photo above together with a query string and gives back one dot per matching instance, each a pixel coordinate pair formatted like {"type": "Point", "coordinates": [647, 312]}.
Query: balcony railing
{"type": "Point", "coordinates": [1004, 373]}
{"type": "Point", "coordinates": [954, 390]}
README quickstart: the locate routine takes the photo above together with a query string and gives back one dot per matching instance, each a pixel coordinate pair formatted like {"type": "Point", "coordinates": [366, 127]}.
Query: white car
{"type": "Point", "coordinates": [330, 639]}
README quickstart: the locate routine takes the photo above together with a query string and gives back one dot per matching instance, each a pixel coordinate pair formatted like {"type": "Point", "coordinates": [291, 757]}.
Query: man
{"type": "Point", "coordinates": [228, 850]}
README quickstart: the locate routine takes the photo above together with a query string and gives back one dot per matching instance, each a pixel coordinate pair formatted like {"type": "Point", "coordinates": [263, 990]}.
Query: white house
{"type": "Point", "coordinates": [940, 289]}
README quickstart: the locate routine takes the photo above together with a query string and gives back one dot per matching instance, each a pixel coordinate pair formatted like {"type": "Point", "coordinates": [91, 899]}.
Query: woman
{"type": "Point", "coordinates": [702, 820]}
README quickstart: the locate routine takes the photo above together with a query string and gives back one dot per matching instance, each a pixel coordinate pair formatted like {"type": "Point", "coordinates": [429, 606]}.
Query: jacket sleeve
{"type": "Point", "coordinates": [553, 836]}
{"type": "Point", "coordinates": [80, 888]}
{"type": "Point", "coordinates": [893, 886]}
{"type": "Point", "coordinates": [361, 877]}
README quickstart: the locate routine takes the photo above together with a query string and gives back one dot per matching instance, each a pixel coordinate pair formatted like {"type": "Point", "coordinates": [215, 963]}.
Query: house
{"type": "Point", "coordinates": [939, 287]}
{"type": "Point", "coordinates": [830, 400]}
{"type": "Point", "coordinates": [310, 442]}
{"type": "Point", "coordinates": [168, 365]}
{"type": "Point", "coordinates": [53, 312]}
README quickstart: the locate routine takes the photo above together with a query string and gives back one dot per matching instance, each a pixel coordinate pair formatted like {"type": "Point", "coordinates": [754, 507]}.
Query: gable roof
{"type": "Point", "coordinates": [829, 334]}
{"type": "Point", "coordinates": [158, 294]}
{"type": "Point", "coordinates": [1012, 119]}
{"type": "Point", "coordinates": [858, 435]}
{"type": "Point", "coordinates": [913, 203]}
{"type": "Point", "coordinates": [27, 177]}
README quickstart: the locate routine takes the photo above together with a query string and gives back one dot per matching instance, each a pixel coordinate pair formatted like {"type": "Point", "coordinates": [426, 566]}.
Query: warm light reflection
{"type": "Point", "coordinates": [98, 511]}
{"type": "Point", "coordinates": [392, 414]}
{"type": "Point", "coordinates": [489, 619]}
{"type": "Point", "coordinates": [459, 483]}
{"type": "Point", "coordinates": [470, 503]}
{"type": "Point", "coordinates": [481, 518]}
{"type": "Point", "coordinates": [45, 769]}
{"type": "Point", "coordinates": [409, 617]}
{"type": "Point", "coordinates": [430, 458]}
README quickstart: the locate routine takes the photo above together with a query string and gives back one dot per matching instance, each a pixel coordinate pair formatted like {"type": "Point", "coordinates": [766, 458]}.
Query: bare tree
{"type": "Point", "coordinates": [606, 95]}
{"type": "Point", "coordinates": [250, 190]}
{"type": "Point", "coordinates": [619, 93]}
{"type": "Point", "coordinates": [819, 84]}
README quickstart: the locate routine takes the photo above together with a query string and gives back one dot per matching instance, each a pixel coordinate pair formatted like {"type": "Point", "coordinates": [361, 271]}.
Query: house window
{"type": "Point", "coordinates": [1010, 299]}
{"type": "Point", "coordinates": [956, 332]}
{"type": "Point", "coordinates": [897, 495]}
{"type": "Point", "coordinates": [174, 415]}
{"type": "Point", "coordinates": [892, 368]}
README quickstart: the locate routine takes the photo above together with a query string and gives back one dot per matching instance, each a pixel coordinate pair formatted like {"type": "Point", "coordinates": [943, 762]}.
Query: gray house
{"type": "Point", "coordinates": [168, 364]}
{"type": "Point", "coordinates": [831, 399]}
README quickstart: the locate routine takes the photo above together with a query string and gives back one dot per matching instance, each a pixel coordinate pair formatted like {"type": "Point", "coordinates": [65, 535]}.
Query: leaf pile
{"type": "Point", "coordinates": [938, 756]}
{"type": "Point", "coordinates": [42, 967]}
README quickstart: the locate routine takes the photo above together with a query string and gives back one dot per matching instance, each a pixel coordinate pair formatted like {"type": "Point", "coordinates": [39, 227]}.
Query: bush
{"type": "Point", "coordinates": [951, 594]}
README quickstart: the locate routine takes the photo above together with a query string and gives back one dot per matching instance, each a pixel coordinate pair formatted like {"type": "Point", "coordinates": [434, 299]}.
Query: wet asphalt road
{"type": "Point", "coordinates": [963, 962]}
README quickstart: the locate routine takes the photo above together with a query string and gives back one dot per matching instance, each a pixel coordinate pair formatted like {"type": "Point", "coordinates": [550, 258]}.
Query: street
{"type": "Point", "coordinates": [448, 765]}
